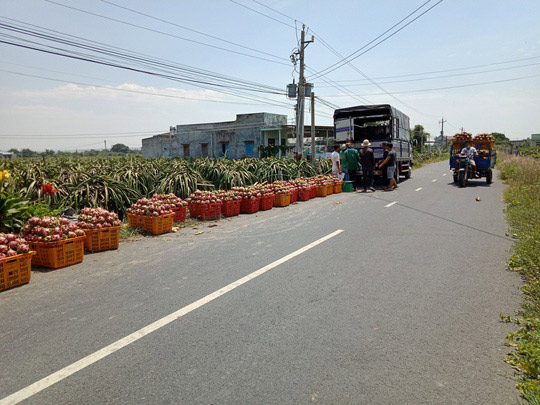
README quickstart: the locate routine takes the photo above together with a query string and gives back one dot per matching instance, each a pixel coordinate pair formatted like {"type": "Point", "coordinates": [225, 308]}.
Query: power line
{"type": "Point", "coordinates": [355, 54]}
{"type": "Point", "coordinates": [129, 91]}
{"type": "Point", "coordinates": [266, 15]}
{"type": "Point", "coordinates": [442, 76]}
{"type": "Point", "coordinates": [448, 87]}
{"type": "Point", "coordinates": [163, 33]}
{"type": "Point", "coordinates": [193, 30]}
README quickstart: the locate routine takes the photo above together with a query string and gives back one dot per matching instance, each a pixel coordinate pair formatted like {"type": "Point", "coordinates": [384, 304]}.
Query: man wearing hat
{"type": "Point", "coordinates": [367, 159]}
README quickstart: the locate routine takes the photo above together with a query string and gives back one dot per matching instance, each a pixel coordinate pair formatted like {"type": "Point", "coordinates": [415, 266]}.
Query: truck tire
{"type": "Point", "coordinates": [461, 179]}
{"type": "Point", "coordinates": [408, 173]}
{"type": "Point", "coordinates": [396, 174]}
{"type": "Point", "coordinates": [489, 176]}
{"type": "Point", "coordinates": [455, 177]}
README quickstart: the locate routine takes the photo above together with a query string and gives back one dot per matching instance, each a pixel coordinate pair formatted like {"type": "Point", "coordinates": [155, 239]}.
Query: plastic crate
{"type": "Point", "coordinates": [98, 240]}
{"type": "Point", "coordinates": [330, 189]}
{"type": "Point", "coordinates": [231, 208]}
{"type": "Point", "coordinates": [55, 255]}
{"type": "Point", "coordinates": [266, 203]}
{"type": "Point", "coordinates": [135, 221]}
{"type": "Point", "coordinates": [337, 188]}
{"type": "Point", "coordinates": [179, 213]}
{"type": "Point", "coordinates": [249, 206]}
{"type": "Point", "coordinates": [15, 270]}
{"type": "Point", "coordinates": [322, 191]}
{"type": "Point", "coordinates": [304, 194]}
{"type": "Point", "coordinates": [210, 211]}
{"type": "Point", "coordinates": [194, 210]}
{"type": "Point", "coordinates": [158, 225]}
{"type": "Point", "coordinates": [294, 195]}
{"type": "Point", "coordinates": [313, 192]}
{"type": "Point", "coordinates": [282, 200]}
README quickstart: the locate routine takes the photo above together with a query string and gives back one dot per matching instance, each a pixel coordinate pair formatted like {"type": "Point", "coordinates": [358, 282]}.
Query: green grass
{"type": "Point", "coordinates": [421, 159]}
{"type": "Point", "coordinates": [522, 174]}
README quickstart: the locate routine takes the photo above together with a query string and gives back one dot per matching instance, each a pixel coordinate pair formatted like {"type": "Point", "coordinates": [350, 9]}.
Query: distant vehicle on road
{"type": "Point", "coordinates": [377, 123]}
{"type": "Point", "coordinates": [463, 170]}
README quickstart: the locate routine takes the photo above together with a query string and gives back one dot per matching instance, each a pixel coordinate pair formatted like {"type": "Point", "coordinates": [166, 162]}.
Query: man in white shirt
{"type": "Point", "coordinates": [471, 153]}
{"type": "Point", "coordinates": [336, 164]}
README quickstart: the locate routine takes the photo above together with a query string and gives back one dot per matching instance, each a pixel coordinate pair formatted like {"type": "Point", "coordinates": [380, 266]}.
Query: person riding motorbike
{"type": "Point", "coordinates": [471, 153]}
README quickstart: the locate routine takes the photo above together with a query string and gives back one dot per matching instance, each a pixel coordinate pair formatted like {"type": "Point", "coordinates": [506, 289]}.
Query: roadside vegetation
{"type": "Point", "coordinates": [522, 174]}
{"type": "Point", "coordinates": [432, 156]}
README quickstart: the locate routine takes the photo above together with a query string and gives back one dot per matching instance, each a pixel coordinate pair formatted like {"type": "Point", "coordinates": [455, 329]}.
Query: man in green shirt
{"type": "Point", "coordinates": [389, 164]}
{"type": "Point", "coordinates": [352, 164]}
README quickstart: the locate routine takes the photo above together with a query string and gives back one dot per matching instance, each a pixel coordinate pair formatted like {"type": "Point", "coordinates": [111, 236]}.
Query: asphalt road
{"type": "Point", "coordinates": [401, 307]}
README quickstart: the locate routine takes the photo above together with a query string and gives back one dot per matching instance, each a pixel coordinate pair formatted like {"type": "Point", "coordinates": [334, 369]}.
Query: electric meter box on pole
{"type": "Point", "coordinates": [291, 90]}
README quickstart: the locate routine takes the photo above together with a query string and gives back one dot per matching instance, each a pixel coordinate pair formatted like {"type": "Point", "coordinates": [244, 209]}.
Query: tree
{"type": "Point", "coordinates": [419, 136]}
{"type": "Point", "coordinates": [120, 148]}
{"type": "Point", "coordinates": [501, 139]}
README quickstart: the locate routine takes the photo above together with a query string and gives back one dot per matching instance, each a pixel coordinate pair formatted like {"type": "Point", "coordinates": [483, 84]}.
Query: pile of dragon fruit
{"type": "Point", "coordinates": [152, 207]}
{"type": "Point", "coordinates": [12, 245]}
{"type": "Point", "coordinates": [97, 218]}
{"type": "Point", "coordinates": [204, 197]}
{"type": "Point", "coordinates": [250, 192]}
{"type": "Point", "coordinates": [50, 229]}
{"type": "Point", "coordinates": [172, 200]}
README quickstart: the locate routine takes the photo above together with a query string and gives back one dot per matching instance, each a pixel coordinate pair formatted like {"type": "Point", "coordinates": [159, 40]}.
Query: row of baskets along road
{"type": "Point", "coordinates": [56, 242]}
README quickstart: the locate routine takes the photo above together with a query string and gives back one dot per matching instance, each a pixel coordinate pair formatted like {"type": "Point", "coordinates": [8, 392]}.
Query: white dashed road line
{"type": "Point", "coordinates": [434, 180]}
{"type": "Point", "coordinates": [67, 371]}
{"type": "Point", "coordinates": [418, 189]}
{"type": "Point", "coordinates": [389, 205]}
{"type": "Point", "coordinates": [444, 174]}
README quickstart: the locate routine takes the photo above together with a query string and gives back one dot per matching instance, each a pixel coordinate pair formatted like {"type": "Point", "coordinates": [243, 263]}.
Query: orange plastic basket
{"type": "Point", "coordinates": [158, 225]}
{"type": "Point", "coordinates": [330, 189]}
{"type": "Point", "coordinates": [337, 188]}
{"type": "Point", "coordinates": [282, 200]}
{"type": "Point", "coordinates": [322, 191]}
{"type": "Point", "coordinates": [54, 255]}
{"type": "Point", "coordinates": [135, 221]}
{"type": "Point", "coordinates": [98, 240]}
{"type": "Point", "coordinates": [15, 270]}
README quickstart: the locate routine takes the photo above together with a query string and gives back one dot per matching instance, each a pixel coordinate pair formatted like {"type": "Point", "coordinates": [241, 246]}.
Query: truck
{"type": "Point", "coordinates": [379, 124]}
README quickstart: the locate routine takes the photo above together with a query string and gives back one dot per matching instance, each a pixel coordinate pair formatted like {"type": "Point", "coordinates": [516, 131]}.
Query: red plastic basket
{"type": "Point", "coordinates": [210, 211]}
{"type": "Point", "coordinates": [294, 195]}
{"type": "Point", "coordinates": [98, 240]}
{"type": "Point", "coordinates": [15, 270]}
{"type": "Point", "coordinates": [313, 192]}
{"type": "Point", "coordinates": [249, 206]}
{"type": "Point", "coordinates": [304, 194]}
{"type": "Point", "coordinates": [179, 214]}
{"type": "Point", "coordinates": [266, 203]}
{"type": "Point", "coordinates": [231, 208]}
{"type": "Point", "coordinates": [54, 255]}
{"type": "Point", "coordinates": [194, 210]}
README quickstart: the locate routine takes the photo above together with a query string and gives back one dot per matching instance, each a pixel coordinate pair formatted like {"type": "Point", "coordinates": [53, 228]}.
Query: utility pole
{"type": "Point", "coordinates": [442, 132]}
{"type": "Point", "coordinates": [301, 93]}
{"type": "Point", "coordinates": [313, 147]}
{"type": "Point", "coordinates": [105, 145]}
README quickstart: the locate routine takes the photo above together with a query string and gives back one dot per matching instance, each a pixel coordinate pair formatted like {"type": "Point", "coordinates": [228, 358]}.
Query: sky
{"type": "Point", "coordinates": [475, 63]}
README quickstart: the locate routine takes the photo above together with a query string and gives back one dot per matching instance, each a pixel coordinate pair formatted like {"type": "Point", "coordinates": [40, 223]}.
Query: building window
{"type": "Point", "coordinates": [271, 141]}
{"type": "Point", "coordinates": [224, 148]}
{"type": "Point", "coordinates": [249, 148]}
{"type": "Point", "coordinates": [186, 150]}
{"type": "Point", "coordinates": [204, 149]}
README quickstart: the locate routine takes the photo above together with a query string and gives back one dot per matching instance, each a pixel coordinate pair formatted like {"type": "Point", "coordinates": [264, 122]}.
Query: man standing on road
{"type": "Point", "coordinates": [367, 159]}
{"type": "Point", "coordinates": [343, 162]}
{"type": "Point", "coordinates": [352, 159]}
{"type": "Point", "coordinates": [336, 164]}
{"type": "Point", "coordinates": [389, 165]}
